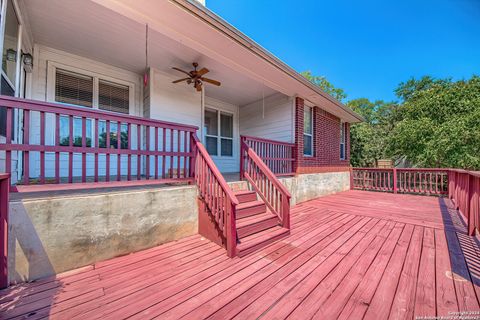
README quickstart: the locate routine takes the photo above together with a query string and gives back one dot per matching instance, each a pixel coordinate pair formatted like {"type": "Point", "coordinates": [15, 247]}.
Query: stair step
{"type": "Point", "coordinates": [254, 224]}
{"type": "Point", "coordinates": [250, 208]}
{"type": "Point", "coordinates": [246, 196]}
{"type": "Point", "coordinates": [261, 239]}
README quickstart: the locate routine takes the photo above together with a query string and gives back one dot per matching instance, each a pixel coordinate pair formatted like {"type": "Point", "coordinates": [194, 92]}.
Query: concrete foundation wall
{"type": "Point", "coordinates": [304, 187]}
{"type": "Point", "coordinates": [55, 234]}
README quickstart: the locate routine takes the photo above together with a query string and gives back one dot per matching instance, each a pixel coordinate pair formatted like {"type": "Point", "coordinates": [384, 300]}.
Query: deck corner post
{"type": "Point", "coordinates": [395, 180]}
{"type": "Point", "coordinates": [231, 232]}
{"type": "Point", "coordinates": [4, 204]}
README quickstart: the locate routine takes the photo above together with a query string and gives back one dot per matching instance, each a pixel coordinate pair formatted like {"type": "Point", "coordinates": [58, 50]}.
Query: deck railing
{"type": "Point", "coordinates": [277, 155]}
{"type": "Point", "coordinates": [266, 184]}
{"type": "Point", "coordinates": [70, 146]}
{"type": "Point", "coordinates": [4, 190]}
{"type": "Point", "coordinates": [401, 180]}
{"type": "Point", "coordinates": [461, 186]}
{"type": "Point", "coordinates": [216, 194]}
{"type": "Point", "coordinates": [464, 190]}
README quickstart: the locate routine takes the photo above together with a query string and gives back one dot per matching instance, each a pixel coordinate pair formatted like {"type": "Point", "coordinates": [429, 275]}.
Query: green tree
{"type": "Point", "coordinates": [370, 138]}
{"type": "Point", "coordinates": [439, 123]}
{"type": "Point", "coordinates": [326, 86]}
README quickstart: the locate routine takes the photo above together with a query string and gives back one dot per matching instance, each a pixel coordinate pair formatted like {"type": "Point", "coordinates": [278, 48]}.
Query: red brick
{"type": "Point", "coordinates": [326, 141]}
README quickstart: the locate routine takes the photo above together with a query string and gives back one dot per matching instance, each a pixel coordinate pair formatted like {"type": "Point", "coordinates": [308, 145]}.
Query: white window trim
{"type": "Point", "coordinates": [51, 77]}
{"type": "Point", "coordinates": [309, 134]}
{"type": "Point", "coordinates": [219, 137]}
{"type": "Point", "coordinates": [343, 139]}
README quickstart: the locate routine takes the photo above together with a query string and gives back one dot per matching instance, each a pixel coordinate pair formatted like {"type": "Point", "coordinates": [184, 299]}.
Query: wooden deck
{"type": "Point", "coordinates": [351, 255]}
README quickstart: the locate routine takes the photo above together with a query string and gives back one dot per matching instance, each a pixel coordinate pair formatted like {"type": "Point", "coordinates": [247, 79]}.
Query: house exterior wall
{"type": "Point", "coordinates": [182, 104]}
{"type": "Point", "coordinates": [275, 122]}
{"type": "Point", "coordinates": [326, 141]}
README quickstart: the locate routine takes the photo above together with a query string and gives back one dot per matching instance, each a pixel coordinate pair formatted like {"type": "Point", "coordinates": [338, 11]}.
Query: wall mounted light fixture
{"type": "Point", "coordinates": [28, 62]}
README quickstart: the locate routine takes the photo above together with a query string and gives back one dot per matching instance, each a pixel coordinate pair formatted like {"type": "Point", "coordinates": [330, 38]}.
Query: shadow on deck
{"type": "Point", "coordinates": [351, 255]}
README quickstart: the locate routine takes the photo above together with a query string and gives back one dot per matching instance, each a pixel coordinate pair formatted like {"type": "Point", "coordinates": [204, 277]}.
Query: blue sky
{"type": "Point", "coordinates": [365, 47]}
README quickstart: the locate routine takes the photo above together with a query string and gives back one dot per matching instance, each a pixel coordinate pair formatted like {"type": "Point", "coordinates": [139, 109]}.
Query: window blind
{"type": "Point", "coordinates": [113, 97]}
{"type": "Point", "coordinates": [73, 88]}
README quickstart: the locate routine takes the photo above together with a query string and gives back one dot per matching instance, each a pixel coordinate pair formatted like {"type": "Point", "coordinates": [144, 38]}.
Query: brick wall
{"type": "Point", "coordinates": [326, 141]}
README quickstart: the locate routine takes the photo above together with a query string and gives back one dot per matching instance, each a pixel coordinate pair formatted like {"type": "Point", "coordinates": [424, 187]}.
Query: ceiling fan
{"type": "Point", "coordinates": [196, 77]}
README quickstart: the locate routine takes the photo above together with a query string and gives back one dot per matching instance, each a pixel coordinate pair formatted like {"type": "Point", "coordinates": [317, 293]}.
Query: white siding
{"type": "Point", "coordinates": [276, 122]}
{"type": "Point", "coordinates": [182, 104]}
{"type": "Point", "coordinates": [42, 88]}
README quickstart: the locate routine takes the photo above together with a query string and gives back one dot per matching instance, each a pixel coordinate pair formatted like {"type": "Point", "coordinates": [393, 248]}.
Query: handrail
{"type": "Point", "coordinates": [106, 146]}
{"type": "Point", "coordinates": [216, 194]}
{"type": "Point", "coordinates": [78, 111]}
{"type": "Point", "coordinates": [279, 156]}
{"type": "Point", "coordinates": [266, 184]}
{"type": "Point", "coordinates": [461, 186]}
{"type": "Point", "coordinates": [401, 180]}
{"type": "Point", "coordinates": [4, 205]}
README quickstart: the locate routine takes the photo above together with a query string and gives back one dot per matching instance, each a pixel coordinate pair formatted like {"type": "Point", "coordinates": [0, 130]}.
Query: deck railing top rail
{"type": "Point", "coordinates": [78, 111]}
{"type": "Point", "coordinates": [90, 148]}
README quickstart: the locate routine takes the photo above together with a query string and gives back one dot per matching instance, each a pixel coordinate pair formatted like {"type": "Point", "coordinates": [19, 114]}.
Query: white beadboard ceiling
{"type": "Point", "coordinates": [91, 30]}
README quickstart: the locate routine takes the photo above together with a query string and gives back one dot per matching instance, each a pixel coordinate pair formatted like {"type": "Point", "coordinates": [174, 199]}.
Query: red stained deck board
{"type": "Point", "coordinates": [351, 255]}
{"type": "Point", "coordinates": [200, 279]}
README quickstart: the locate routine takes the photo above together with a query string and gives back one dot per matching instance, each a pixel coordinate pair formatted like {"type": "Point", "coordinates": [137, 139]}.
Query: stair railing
{"type": "Point", "coordinates": [215, 193]}
{"type": "Point", "coordinates": [266, 184]}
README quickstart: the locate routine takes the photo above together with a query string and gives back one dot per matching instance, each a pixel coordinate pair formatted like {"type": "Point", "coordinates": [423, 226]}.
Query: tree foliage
{"type": "Point", "coordinates": [436, 123]}
{"type": "Point", "coordinates": [326, 86]}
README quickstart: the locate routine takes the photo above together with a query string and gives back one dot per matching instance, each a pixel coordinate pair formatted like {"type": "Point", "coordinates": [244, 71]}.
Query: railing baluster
{"type": "Point", "coordinates": [8, 141]}
{"type": "Point", "coordinates": [57, 144]}
{"type": "Point", "coordinates": [156, 152]}
{"type": "Point", "coordinates": [147, 157]}
{"type": "Point", "coordinates": [119, 149]}
{"type": "Point", "coordinates": [129, 156]}
{"type": "Point", "coordinates": [42, 143]}
{"type": "Point", "coordinates": [70, 144]}
{"type": "Point", "coordinates": [84, 145]}
{"type": "Point", "coordinates": [26, 141]}
{"type": "Point", "coordinates": [95, 144]}
{"type": "Point", "coordinates": [107, 152]}
{"type": "Point", "coordinates": [139, 150]}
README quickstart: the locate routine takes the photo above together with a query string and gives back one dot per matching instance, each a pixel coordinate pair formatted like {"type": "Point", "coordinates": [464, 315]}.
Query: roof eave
{"type": "Point", "coordinates": [216, 20]}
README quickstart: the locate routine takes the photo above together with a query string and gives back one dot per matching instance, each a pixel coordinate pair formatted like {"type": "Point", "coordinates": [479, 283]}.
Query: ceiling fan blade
{"type": "Point", "coordinates": [188, 74]}
{"type": "Point", "coordinates": [202, 71]}
{"type": "Point", "coordinates": [214, 82]}
{"type": "Point", "coordinates": [180, 80]}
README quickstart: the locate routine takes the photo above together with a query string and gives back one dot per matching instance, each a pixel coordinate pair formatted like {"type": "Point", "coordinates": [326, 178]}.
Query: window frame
{"type": "Point", "coordinates": [308, 134]}
{"type": "Point", "coordinates": [219, 136]}
{"type": "Point", "coordinates": [343, 140]}
{"type": "Point", "coordinates": [51, 81]}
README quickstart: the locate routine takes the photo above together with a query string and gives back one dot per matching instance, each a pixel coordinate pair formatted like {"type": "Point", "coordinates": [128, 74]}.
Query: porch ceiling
{"type": "Point", "coordinates": [91, 30]}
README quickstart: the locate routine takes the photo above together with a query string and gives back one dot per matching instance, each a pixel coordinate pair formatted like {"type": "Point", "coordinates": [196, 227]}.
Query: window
{"type": "Point", "coordinates": [218, 129]}
{"type": "Point", "coordinates": [308, 131]}
{"type": "Point", "coordinates": [342, 140]}
{"type": "Point", "coordinates": [90, 91]}
{"type": "Point", "coordinates": [113, 97]}
{"type": "Point", "coordinates": [73, 88]}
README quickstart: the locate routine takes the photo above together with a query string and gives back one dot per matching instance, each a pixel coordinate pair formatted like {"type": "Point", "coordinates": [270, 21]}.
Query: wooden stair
{"type": "Point", "coordinates": [257, 227]}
